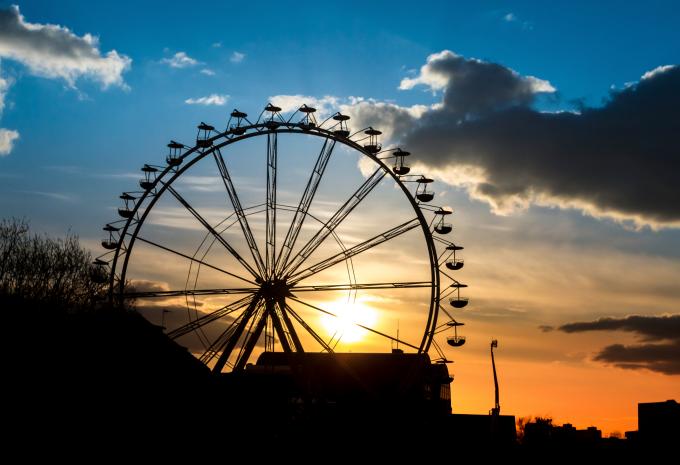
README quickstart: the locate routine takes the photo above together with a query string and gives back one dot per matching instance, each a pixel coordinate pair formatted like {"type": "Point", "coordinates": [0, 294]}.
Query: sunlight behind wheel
{"type": "Point", "coordinates": [344, 327]}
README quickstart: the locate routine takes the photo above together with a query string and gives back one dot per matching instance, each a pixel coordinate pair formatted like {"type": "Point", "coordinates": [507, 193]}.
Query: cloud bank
{"type": "Point", "coordinates": [620, 160]}
{"type": "Point", "coordinates": [660, 334]}
{"type": "Point", "coordinates": [54, 51]}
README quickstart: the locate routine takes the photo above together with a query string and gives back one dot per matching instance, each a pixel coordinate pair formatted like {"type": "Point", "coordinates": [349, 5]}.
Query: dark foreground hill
{"type": "Point", "coordinates": [94, 373]}
{"type": "Point", "coordinates": [108, 380]}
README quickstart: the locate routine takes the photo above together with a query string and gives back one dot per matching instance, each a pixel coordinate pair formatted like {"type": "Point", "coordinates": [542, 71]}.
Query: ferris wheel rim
{"type": "Point", "coordinates": [171, 173]}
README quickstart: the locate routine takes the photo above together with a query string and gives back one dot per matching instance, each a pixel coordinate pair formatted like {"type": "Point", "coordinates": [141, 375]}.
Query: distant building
{"type": "Point", "coordinates": [659, 422]}
{"type": "Point", "coordinates": [542, 433]}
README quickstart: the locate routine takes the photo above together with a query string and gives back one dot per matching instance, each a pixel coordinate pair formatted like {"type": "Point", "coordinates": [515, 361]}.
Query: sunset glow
{"type": "Point", "coordinates": [345, 327]}
{"type": "Point", "coordinates": [541, 182]}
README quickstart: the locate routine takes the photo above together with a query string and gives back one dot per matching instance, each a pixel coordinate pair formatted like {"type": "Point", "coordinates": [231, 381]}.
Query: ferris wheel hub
{"type": "Point", "coordinates": [275, 289]}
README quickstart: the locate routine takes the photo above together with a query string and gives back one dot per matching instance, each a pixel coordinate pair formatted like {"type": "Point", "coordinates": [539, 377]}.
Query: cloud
{"type": "Point", "coordinates": [5, 84]}
{"type": "Point", "coordinates": [53, 195]}
{"type": "Point", "coordinates": [324, 106]}
{"type": "Point", "coordinates": [212, 99]}
{"type": "Point", "coordinates": [651, 328]}
{"type": "Point", "coordinates": [618, 161]}
{"type": "Point", "coordinates": [661, 334]}
{"type": "Point", "coordinates": [176, 315]}
{"type": "Point", "coordinates": [475, 87]}
{"type": "Point", "coordinates": [7, 138]}
{"type": "Point", "coordinates": [207, 72]}
{"type": "Point", "coordinates": [217, 44]}
{"type": "Point", "coordinates": [663, 358]}
{"type": "Point", "coordinates": [658, 70]}
{"type": "Point", "coordinates": [513, 18]}
{"type": "Point", "coordinates": [54, 51]}
{"type": "Point", "coordinates": [237, 57]}
{"type": "Point", "coordinates": [361, 111]}
{"type": "Point", "coordinates": [394, 119]}
{"type": "Point", "coordinates": [180, 60]}
{"type": "Point", "coordinates": [145, 285]}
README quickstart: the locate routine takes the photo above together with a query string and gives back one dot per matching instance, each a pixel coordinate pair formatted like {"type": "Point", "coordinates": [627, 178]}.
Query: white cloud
{"type": "Point", "coordinates": [180, 60]}
{"type": "Point", "coordinates": [207, 72]}
{"type": "Point", "coordinates": [217, 44]}
{"type": "Point", "coordinates": [510, 17]}
{"type": "Point", "coordinates": [393, 120]}
{"type": "Point", "coordinates": [324, 105]}
{"type": "Point", "coordinates": [4, 87]}
{"type": "Point", "coordinates": [212, 99]}
{"type": "Point", "coordinates": [442, 68]}
{"type": "Point", "coordinates": [388, 117]}
{"type": "Point", "coordinates": [7, 138]}
{"type": "Point", "coordinates": [54, 51]}
{"type": "Point", "coordinates": [237, 57]}
{"type": "Point", "coordinates": [428, 76]}
{"type": "Point", "coordinates": [657, 70]}
{"type": "Point", "coordinates": [540, 85]}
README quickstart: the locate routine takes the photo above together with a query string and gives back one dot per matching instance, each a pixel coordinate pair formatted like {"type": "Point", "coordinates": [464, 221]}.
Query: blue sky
{"type": "Point", "coordinates": [81, 142]}
{"type": "Point", "coordinates": [346, 49]}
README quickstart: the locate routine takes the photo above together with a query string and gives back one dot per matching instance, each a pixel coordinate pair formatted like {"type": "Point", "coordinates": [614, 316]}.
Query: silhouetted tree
{"type": "Point", "coordinates": [33, 267]}
{"type": "Point", "coordinates": [521, 426]}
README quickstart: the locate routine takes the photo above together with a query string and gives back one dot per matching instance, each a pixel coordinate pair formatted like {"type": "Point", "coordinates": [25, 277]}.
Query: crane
{"type": "Point", "coordinates": [496, 410]}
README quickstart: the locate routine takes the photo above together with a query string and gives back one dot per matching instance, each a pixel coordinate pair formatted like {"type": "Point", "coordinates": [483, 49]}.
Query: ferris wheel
{"type": "Point", "coordinates": [265, 236]}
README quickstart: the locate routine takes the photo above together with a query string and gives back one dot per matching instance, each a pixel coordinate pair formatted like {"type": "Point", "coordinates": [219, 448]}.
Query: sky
{"type": "Point", "coordinates": [551, 130]}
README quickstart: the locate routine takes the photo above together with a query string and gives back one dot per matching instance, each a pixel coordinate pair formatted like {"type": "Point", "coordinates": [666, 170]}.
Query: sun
{"type": "Point", "coordinates": [349, 315]}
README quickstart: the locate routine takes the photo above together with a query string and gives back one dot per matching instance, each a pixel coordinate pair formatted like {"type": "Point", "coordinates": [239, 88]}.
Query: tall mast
{"type": "Point", "coordinates": [496, 410]}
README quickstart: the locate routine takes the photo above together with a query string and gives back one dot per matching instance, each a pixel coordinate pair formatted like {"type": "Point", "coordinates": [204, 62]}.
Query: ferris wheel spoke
{"type": "Point", "coordinates": [194, 259]}
{"type": "Point", "coordinates": [252, 337]}
{"type": "Point", "coordinates": [238, 209]}
{"type": "Point", "coordinates": [309, 329]}
{"type": "Point", "coordinates": [218, 344]}
{"type": "Point", "coordinates": [283, 333]}
{"type": "Point", "coordinates": [362, 286]}
{"type": "Point", "coordinates": [236, 334]}
{"type": "Point", "coordinates": [209, 318]}
{"type": "Point", "coordinates": [356, 250]}
{"type": "Point", "coordinates": [189, 292]}
{"type": "Point", "coordinates": [270, 252]}
{"type": "Point", "coordinates": [290, 329]}
{"type": "Point", "coordinates": [359, 325]}
{"type": "Point", "coordinates": [338, 217]}
{"type": "Point", "coordinates": [212, 230]}
{"type": "Point", "coordinates": [305, 203]}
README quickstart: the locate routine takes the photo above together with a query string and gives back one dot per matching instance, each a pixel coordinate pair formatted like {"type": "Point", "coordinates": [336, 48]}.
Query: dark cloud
{"type": "Point", "coordinates": [651, 328]}
{"type": "Point", "coordinates": [663, 357]}
{"type": "Point", "coordinates": [474, 87]}
{"type": "Point", "coordinates": [620, 160]}
{"type": "Point", "coordinates": [546, 328]}
{"type": "Point", "coordinates": [174, 316]}
{"type": "Point", "coordinates": [145, 285]}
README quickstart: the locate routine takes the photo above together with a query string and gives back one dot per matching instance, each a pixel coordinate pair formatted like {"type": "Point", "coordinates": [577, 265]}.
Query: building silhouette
{"type": "Point", "coordinates": [659, 423]}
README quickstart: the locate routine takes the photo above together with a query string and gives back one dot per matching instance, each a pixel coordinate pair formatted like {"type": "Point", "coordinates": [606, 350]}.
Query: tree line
{"type": "Point", "coordinates": [38, 268]}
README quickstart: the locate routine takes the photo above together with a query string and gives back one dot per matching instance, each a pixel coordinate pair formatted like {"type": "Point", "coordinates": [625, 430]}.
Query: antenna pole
{"type": "Point", "coordinates": [496, 410]}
